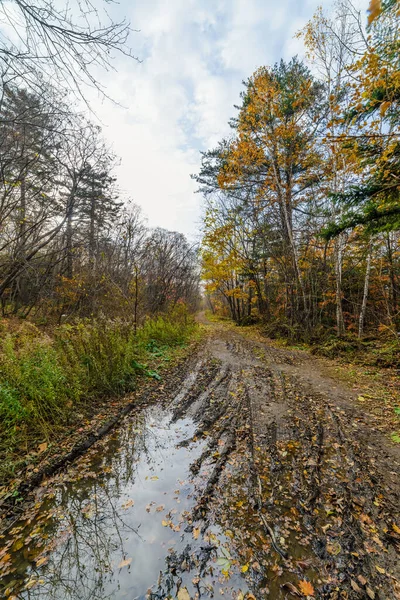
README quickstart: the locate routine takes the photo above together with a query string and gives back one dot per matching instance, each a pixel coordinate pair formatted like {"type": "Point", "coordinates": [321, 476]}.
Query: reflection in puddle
{"type": "Point", "coordinates": [117, 524]}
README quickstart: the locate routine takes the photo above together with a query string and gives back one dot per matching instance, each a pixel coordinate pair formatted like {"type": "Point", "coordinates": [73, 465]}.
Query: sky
{"type": "Point", "coordinates": [177, 101]}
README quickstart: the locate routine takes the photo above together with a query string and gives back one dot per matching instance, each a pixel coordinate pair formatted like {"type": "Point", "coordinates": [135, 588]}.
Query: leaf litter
{"type": "Point", "coordinates": [277, 496]}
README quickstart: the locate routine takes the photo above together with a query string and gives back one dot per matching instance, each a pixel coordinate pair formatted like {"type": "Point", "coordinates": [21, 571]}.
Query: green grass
{"type": "Point", "coordinates": [45, 381]}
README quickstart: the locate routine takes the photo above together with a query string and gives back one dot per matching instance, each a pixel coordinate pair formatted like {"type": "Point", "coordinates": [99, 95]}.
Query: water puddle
{"type": "Point", "coordinates": [118, 524]}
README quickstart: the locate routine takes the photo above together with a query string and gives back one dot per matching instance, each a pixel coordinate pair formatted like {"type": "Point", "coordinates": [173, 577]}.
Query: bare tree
{"type": "Point", "coordinates": [43, 42]}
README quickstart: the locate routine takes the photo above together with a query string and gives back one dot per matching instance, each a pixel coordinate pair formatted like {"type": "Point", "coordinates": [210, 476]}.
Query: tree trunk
{"type": "Point", "coordinates": [392, 275]}
{"type": "Point", "coordinates": [365, 294]}
{"type": "Point", "coordinates": [70, 267]}
{"type": "Point", "coordinates": [92, 244]}
{"type": "Point", "coordinates": [135, 310]}
{"type": "Point", "coordinates": [338, 273]}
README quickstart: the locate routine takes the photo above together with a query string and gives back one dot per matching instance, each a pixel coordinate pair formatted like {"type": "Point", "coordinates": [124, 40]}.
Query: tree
{"type": "Point", "coordinates": [42, 43]}
{"type": "Point", "coordinates": [274, 157]}
{"type": "Point", "coordinates": [331, 43]}
{"type": "Point", "coordinates": [170, 270]}
{"type": "Point", "coordinates": [28, 209]}
{"type": "Point", "coordinates": [373, 201]}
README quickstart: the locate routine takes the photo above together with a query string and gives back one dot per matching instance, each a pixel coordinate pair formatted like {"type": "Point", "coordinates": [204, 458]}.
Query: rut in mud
{"type": "Point", "coordinates": [253, 481]}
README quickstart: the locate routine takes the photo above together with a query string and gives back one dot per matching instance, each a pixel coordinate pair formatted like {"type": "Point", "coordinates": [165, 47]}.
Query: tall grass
{"type": "Point", "coordinates": [45, 380]}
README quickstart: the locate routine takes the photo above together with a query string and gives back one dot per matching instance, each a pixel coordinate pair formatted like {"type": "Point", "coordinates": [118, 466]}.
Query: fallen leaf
{"type": "Point", "coordinates": [306, 588]}
{"type": "Point", "coordinates": [334, 548]}
{"type": "Point", "coordinates": [154, 478]}
{"type": "Point", "coordinates": [42, 447]}
{"type": "Point", "coordinates": [124, 563]}
{"type": "Point", "coordinates": [355, 587]}
{"type": "Point", "coordinates": [183, 594]}
{"type": "Point", "coordinates": [18, 544]}
{"type": "Point", "coordinates": [41, 561]}
{"type": "Point", "coordinates": [303, 564]}
{"type": "Point", "coordinates": [292, 589]}
{"type": "Point", "coordinates": [31, 583]}
{"type": "Point", "coordinates": [370, 593]}
{"type": "Point", "coordinates": [245, 568]}
{"type": "Point", "coordinates": [224, 563]}
{"type": "Point", "coordinates": [395, 528]}
{"type": "Point", "coordinates": [196, 532]}
{"type": "Point", "coordinates": [127, 504]}
{"type": "Point", "coordinates": [160, 508]}
{"type": "Point", "coordinates": [164, 523]}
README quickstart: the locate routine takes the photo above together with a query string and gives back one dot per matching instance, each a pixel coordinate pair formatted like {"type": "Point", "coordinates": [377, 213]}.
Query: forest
{"type": "Point", "coordinates": [302, 212]}
{"type": "Point", "coordinates": [80, 270]}
{"type": "Point", "coordinates": [213, 415]}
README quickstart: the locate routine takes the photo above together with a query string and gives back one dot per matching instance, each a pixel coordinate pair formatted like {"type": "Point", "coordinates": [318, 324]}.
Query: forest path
{"type": "Point", "coordinates": [259, 477]}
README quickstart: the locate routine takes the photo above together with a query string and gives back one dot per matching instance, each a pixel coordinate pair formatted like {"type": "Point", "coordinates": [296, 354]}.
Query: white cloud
{"type": "Point", "coordinates": [196, 54]}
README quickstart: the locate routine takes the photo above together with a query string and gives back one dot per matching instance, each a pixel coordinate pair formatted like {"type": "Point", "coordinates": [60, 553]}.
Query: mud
{"type": "Point", "coordinates": [252, 480]}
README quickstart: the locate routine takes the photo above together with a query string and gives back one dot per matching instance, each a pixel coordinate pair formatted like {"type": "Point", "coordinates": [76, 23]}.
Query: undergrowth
{"type": "Point", "coordinates": [380, 351]}
{"type": "Point", "coordinates": [46, 380]}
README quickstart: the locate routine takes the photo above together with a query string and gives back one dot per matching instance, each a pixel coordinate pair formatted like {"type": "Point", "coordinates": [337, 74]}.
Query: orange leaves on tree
{"type": "Point", "coordinates": [374, 10]}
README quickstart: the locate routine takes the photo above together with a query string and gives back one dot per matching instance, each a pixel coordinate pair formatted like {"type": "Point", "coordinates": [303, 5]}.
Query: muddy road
{"type": "Point", "coordinates": [256, 478]}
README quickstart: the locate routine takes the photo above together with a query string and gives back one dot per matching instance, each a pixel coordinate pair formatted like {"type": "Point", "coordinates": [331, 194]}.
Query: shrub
{"type": "Point", "coordinates": [44, 380]}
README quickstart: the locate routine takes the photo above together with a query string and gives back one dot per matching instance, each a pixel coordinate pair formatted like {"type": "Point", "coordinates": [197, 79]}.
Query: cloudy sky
{"type": "Point", "coordinates": [177, 101]}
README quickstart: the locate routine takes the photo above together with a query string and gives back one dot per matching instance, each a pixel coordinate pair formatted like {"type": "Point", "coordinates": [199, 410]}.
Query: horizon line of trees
{"type": "Point", "coordinates": [70, 245]}
{"type": "Point", "coordinates": [302, 203]}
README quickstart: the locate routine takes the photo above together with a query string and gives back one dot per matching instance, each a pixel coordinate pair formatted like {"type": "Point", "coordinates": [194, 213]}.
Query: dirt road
{"type": "Point", "coordinates": [257, 478]}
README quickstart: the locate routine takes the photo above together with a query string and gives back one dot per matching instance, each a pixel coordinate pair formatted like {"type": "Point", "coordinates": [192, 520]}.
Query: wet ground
{"type": "Point", "coordinates": [256, 479]}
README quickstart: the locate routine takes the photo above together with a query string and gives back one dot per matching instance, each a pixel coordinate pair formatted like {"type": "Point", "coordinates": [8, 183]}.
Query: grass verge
{"type": "Point", "coordinates": [51, 385]}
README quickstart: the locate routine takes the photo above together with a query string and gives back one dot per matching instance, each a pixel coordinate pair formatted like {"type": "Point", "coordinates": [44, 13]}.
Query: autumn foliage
{"type": "Point", "coordinates": [302, 209]}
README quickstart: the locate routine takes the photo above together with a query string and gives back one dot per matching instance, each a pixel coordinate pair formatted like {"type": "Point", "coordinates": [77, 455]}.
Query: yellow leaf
{"type": "Point", "coordinates": [41, 561]}
{"type": "Point", "coordinates": [42, 447]}
{"type": "Point", "coordinates": [245, 568]}
{"type": "Point", "coordinates": [124, 563]}
{"type": "Point", "coordinates": [183, 594]}
{"type": "Point", "coordinates": [31, 583]}
{"type": "Point", "coordinates": [306, 588]}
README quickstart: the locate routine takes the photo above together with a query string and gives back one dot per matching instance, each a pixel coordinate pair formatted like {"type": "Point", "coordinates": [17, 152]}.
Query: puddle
{"type": "Point", "coordinates": [117, 524]}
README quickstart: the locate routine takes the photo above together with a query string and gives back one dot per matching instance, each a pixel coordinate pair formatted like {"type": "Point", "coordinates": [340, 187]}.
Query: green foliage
{"type": "Point", "coordinates": [164, 332]}
{"type": "Point", "coordinates": [279, 329]}
{"type": "Point", "coordinates": [44, 380]}
{"type": "Point", "coordinates": [11, 409]}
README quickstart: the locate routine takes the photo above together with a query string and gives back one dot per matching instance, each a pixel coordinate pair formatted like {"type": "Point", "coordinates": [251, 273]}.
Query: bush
{"type": "Point", "coordinates": [335, 347]}
{"type": "Point", "coordinates": [282, 330]}
{"type": "Point", "coordinates": [43, 380]}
